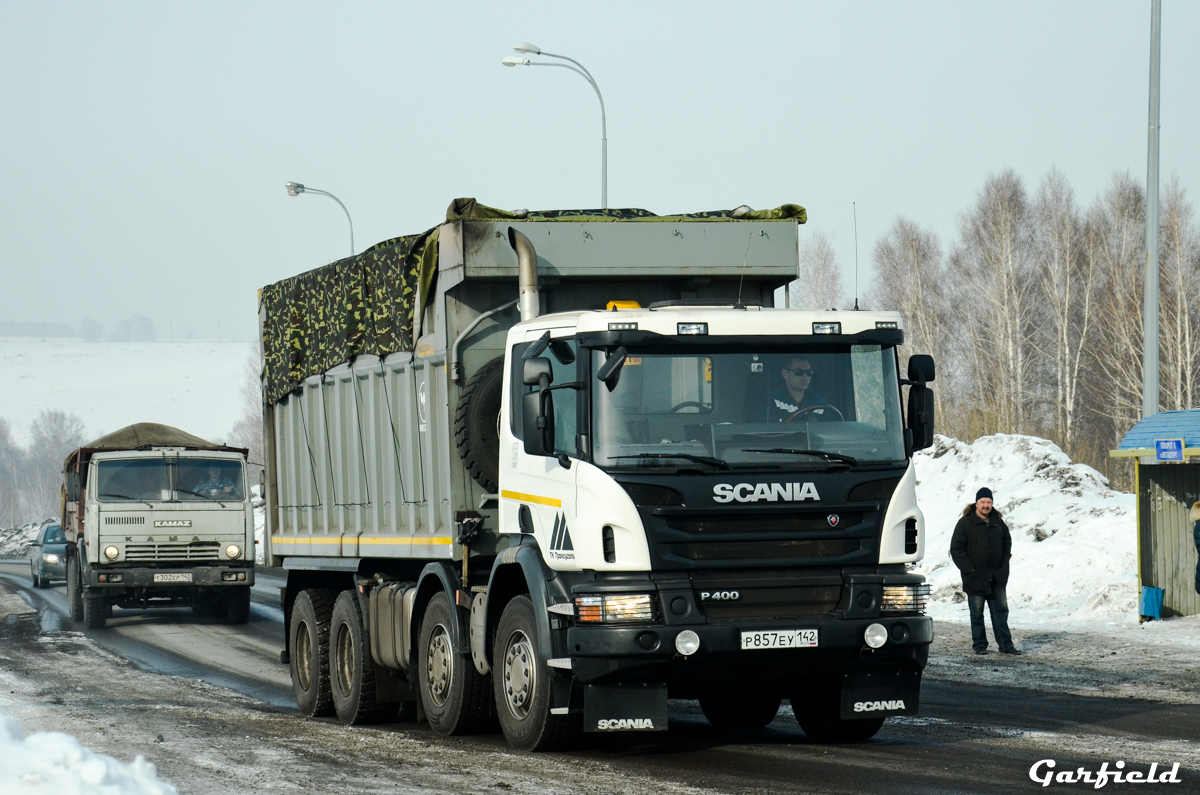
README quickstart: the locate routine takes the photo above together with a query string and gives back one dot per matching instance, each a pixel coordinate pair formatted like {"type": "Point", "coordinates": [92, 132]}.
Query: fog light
{"type": "Point", "coordinates": [114, 577]}
{"type": "Point", "coordinates": [876, 635]}
{"type": "Point", "coordinates": [111, 553]}
{"type": "Point", "coordinates": [241, 575]}
{"type": "Point", "coordinates": [687, 643]}
{"type": "Point", "coordinates": [233, 550]}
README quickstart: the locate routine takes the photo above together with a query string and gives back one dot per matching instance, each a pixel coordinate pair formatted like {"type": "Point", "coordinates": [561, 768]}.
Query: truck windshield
{"type": "Point", "coordinates": [792, 407]}
{"type": "Point", "coordinates": [162, 479]}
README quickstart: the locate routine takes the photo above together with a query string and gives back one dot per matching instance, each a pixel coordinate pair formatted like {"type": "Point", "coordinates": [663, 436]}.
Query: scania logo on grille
{"type": "Point", "coordinates": [172, 522]}
{"type": "Point", "coordinates": [766, 492]}
{"type": "Point", "coordinates": [834, 519]}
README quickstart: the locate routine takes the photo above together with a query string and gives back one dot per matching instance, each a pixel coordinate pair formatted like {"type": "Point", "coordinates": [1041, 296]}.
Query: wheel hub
{"type": "Point", "coordinates": [439, 665]}
{"type": "Point", "coordinates": [303, 656]}
{"type": "Point", "coordinates": [520, 675]}
{"type": "Point", "coordinates": [345, 658]}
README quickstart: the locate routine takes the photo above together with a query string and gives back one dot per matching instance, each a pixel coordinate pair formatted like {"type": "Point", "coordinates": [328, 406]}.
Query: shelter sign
{"type": "Point", "coordinates": [1168, 449]}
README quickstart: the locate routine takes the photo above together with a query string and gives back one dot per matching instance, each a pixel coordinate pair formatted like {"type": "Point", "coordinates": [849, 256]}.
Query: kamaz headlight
{"type": "Point", "coordinates": [904, 598]}
{"type": "Point", "coordinates": [111, 552]}
{"type": "Point", "coordinates": [614, 608]}
{"type": "Point", "coordinates": [233, 550]}
{"type": "Point", "coordinates": [50, 557]}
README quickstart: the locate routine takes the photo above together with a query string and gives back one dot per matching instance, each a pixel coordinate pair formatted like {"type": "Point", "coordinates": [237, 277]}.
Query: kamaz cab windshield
{"type": "Point", "coordinates": [170, 480]}
{"type": "Point", "coordinates": [790, 407]}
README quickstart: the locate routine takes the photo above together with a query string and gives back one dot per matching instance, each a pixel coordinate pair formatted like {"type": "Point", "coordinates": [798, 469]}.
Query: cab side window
{"type": "Point", "coordinates": [563, 369]}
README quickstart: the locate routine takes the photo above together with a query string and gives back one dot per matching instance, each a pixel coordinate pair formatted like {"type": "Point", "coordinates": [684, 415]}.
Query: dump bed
{"type": "Point", "coordinates": [371, 362]}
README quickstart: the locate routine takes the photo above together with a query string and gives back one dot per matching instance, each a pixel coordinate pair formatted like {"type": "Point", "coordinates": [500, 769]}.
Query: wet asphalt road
{"type": "Point", "coordinates": [969, 738]}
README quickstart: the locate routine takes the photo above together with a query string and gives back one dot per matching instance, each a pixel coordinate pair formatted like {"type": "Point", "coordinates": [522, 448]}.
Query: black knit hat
{"type": "Point", "coordinates": [984, 492]}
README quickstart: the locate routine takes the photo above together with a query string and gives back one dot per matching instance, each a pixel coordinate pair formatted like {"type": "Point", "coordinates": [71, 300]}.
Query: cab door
{"type": "Point", "coordinates": [538, 493]}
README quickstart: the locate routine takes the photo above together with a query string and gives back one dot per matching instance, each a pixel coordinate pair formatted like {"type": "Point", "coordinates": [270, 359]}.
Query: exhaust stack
{"type": "Point", "coordinates": [527, 275]}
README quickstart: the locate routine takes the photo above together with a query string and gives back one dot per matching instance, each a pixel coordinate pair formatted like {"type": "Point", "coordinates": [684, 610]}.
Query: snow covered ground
{"type": "Point", "coordinates": [193, 385]}
{"type": "Point", "coordinates": [1074, 539]}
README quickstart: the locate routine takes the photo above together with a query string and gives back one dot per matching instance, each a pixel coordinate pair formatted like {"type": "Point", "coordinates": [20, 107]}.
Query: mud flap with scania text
{"type": "Point", "coordinates": [880, 695]}
{"type": "Point", "coordinates": [625, 707]}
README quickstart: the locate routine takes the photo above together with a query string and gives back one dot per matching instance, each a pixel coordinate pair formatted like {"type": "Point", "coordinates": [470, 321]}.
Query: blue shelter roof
{"type": "Point", "coordinates": [1164, 425]}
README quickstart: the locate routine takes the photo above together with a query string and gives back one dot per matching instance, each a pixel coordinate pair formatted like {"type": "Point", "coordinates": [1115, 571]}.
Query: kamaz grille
{"type": "Point", "coordinates": [196, 550]}
{"type": "Point", "coordinates": [740, 595]}
{"type": "Point", "coordinates": [124, 520]}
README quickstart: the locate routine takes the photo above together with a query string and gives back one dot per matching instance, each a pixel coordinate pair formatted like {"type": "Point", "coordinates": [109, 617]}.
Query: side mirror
{"type": "Point", "coordinates": [920, 417]}
{"type": "Point", "coordinates": [920, 366]}
{"type": "Point", "coordinates": [610, 371]}
{"type": "Point", "coordinates": [537, 422]}
{"type": "Point", "coordinates": [532, 371]}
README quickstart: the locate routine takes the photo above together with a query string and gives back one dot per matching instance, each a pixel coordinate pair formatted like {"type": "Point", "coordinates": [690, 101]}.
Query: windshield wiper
{"type": "Point", "coordinates": [202, 496]}
{"type": "Point", "coordinates": [125, 497]}
{"type": "Point", "coordinates": [700, 459]}
{"type": "Point", "coordinates": [793, 451]}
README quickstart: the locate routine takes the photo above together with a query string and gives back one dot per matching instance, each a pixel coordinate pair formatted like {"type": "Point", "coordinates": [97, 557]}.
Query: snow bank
{"type": "Point", "coordinates": [1074, 539]}
{"type": "Point", "coordinates": [54, 763]}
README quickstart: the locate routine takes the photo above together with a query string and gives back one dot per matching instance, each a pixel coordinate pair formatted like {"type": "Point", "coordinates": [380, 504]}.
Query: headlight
{"type": "Point", "coordinates": [233, 550]}
{"type": "Point", "coordinates": [111, 552]}
{"type": "Point", "coordinates": [876, 635]}
{"type": "Point", "coordinates": [687, 643]}
{"type": "Point", "coordinates": [614, 608]}
{"type": "Point", "coordinates": [50, 557]}
{"type": "Point", "coordinates": [904, 598]}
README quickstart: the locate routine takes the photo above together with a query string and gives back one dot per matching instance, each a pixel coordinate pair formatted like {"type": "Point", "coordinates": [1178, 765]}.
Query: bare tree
{"type": "Point", "coordinates": [248, 430]}
{"type": "Point", "coordinates": [11, 455]}
{"type": "Point", "coordinates": [53, 434]}
{"type": "Point", "coordinates": [819, 282]}
{"type": "Point", "coordinates": [1068, 284]}
{"type": "Point", "coordinates": [993, 306]}
{"type": "Point", "coordinates": [1179, 274]}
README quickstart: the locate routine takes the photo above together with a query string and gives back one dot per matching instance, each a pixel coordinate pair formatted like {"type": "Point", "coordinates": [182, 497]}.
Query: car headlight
{"type": "Point", "coordinates": [876, 635]}
{"type": "Point", "coordinates": [111, 552]}
{"type": "Point", "coordinates": [50, 557]}
{"type": "Point", "coordinates": [904, 598]}
{"type": "Point", "coordinates": [614, 608]}
{"type": "Point", "coordinates": [233, 550]}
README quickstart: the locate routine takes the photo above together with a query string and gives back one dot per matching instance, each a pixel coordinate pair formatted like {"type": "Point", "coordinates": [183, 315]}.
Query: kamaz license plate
{"type": "Point", "coordinates": [185, 576]}
{"type": "Point", "coordinates": [780, 639]}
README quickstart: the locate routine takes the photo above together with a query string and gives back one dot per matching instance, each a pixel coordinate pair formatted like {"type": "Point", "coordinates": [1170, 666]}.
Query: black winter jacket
{"type": "Point", "coordinates": [981, 550]}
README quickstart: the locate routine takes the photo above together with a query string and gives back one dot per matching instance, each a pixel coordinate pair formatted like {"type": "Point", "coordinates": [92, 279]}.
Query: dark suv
{"type": "Point", "coordinates": [47, 556]}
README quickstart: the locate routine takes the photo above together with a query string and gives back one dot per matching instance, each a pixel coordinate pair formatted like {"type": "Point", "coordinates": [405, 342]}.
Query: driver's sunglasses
{"type": "Point", "coordinates": [800, 372]}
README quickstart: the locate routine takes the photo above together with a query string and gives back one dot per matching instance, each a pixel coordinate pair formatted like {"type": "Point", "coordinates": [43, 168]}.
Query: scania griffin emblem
{"type": "Point", "coordinates": [834, 519]}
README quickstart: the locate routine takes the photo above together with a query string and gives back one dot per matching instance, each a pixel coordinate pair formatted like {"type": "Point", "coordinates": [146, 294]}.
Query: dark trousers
{"type": "Point", "coordinates": [1196, 536]}
{"type": "Point", "coordinates": [997, 602]}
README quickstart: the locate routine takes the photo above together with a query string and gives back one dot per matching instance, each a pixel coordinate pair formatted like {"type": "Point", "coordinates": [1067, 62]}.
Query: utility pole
{"type": "Point", "coordinates": [1150, 308]}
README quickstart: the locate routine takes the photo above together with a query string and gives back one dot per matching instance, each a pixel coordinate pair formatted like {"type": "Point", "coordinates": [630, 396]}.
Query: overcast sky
{"type": "Point", "coordinates": [145, 145]}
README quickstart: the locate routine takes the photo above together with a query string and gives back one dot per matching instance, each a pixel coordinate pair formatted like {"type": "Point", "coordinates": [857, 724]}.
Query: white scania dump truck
{"type": "Point", "coordinates": [157, 517]}
{"type": "Point", "coordinates": [552, 469]}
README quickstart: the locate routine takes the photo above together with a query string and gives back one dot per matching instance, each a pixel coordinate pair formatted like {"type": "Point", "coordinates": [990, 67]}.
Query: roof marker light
{"type": "Point", "coordinates": [691, 328]}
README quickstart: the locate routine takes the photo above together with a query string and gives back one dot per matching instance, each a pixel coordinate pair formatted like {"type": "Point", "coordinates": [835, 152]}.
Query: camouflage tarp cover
{"type": "Point", "coordinates": [364, 304]}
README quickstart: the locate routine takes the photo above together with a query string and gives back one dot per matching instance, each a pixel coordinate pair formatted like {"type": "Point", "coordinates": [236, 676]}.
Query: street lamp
{"type": "Point", "coordinates": [578, 68]}
{"type": "Point", "coordinates": [295, 189]}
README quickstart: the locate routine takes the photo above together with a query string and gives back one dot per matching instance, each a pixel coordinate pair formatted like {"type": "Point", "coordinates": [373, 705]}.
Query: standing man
{"type": "Point", "coordinates": [1194, 515]}
{"type": "Point", "coordinates": [981, 547]}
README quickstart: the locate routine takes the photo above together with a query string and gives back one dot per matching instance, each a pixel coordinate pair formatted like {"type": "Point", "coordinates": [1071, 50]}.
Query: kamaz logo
{"type": "Point", "coordinates": [720, 596]}
{"type": "Point", "coordinates": [172, 522]}
{"type": "Point", "coordinates": [561, 547]}
{"type": "Point", "coordinates": [875, 706]}
{"type": "Point", "coordinates": [624, 723]}
{"type": "Point", "coordinates": [768, 492]}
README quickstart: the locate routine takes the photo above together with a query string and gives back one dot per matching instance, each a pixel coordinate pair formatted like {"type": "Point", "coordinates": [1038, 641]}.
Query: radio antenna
{"type": "Point", "coordinates": [854, 206]}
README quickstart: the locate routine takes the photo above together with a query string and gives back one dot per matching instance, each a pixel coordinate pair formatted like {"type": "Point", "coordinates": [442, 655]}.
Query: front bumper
{"type": "Point", "coordinates": [145, 578]}
{"type": "Point", "coordinates": [647, 652]}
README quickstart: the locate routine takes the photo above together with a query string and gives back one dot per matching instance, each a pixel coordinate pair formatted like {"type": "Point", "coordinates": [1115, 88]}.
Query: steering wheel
{"type": "Point", "coordinates": [816, 408]}
{"type": "Point", "coordinates": [688, 404]}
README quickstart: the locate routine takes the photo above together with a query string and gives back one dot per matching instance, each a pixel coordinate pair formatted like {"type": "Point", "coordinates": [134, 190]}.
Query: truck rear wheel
{"type": "Point", "coordinates": [819, 713]}
{"type": "Point", "coordinates": [476, 424]}
{"type": "Point", "coordinates": [352, 676]}
{"type": "Point", "coordinates": [95, 612]}
{"type": "Point", "coordinates": [739, 709]}
{"type": "Point", "coordinates": [522, 685]}
{"type": "Point", "coordinates": [74, 589]}
{"type": "Point", "coordinates": [456, 699]}
{"type": "Point", "coordinates": [308, 639]}
{"type": "Point", "coordinates": [237, 604]}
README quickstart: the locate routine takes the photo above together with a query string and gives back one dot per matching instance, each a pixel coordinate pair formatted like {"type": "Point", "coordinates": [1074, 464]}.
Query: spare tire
{"type": "Point", "coordinates": [477, 424]}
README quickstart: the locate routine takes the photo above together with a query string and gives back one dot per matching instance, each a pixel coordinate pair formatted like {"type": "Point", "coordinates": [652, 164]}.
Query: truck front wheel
{"type": "Point", "coordinates": [309, 644]}
{"type": "Point", "coordinates": [74, 589]}
{"type": "Point", "coordinates": [237, 604]}
{"type": "Point", "coordinates": [454, 695]}
{"type": "Point", "coordinates": [522, 685]}
{"type": "Point", "coordinates": [95, 612]}
{"type": "Point", "coordinates": [819, 712]}
{"type": "Point", "coordinates": [352, 671]}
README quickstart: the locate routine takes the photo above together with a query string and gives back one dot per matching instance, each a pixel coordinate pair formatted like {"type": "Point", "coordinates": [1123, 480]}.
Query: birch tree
{"type": "Point", "coordinates": [1179, 261]}
{"type": "Point", "coordinates": [819, 278]}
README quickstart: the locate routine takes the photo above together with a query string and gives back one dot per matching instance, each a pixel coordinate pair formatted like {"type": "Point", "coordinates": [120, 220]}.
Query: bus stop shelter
{"type": "Point", "coordinates": [1166, 451]}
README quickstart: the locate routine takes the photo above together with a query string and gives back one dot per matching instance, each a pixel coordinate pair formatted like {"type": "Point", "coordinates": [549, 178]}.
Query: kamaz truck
{"type": "Point", "coordinates": [157, 517]}
{"type": "Point", "coordinates": [554, 469]}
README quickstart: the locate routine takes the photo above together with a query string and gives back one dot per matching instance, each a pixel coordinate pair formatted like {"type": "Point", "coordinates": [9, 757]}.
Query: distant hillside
{"type": "Point", "coordinates": [12, 328]}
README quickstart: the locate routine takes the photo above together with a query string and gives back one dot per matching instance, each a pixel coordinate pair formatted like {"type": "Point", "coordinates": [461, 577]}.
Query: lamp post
{"type": "Point", "coordinates": [578, 68]}
{"type": "Point", "coordinates": [295, 189]}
